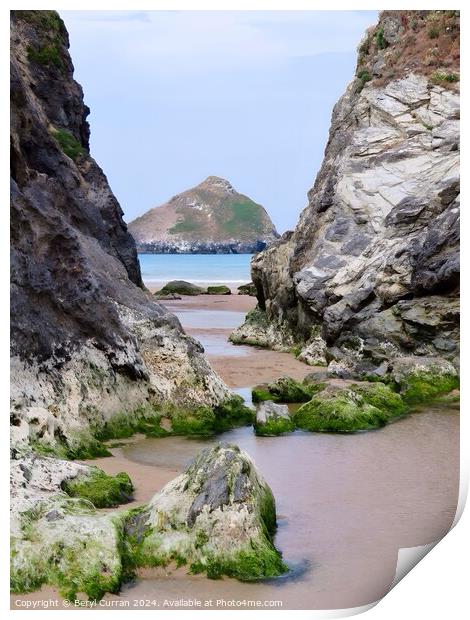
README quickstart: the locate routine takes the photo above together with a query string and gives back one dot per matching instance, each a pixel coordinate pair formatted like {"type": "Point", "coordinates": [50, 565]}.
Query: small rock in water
{"type": "Point", "coordinates": [180, 287]}
{"type": "Point", "coordinates": [273, 419]}
{"type": "Point", "coordinates": [218, 290]}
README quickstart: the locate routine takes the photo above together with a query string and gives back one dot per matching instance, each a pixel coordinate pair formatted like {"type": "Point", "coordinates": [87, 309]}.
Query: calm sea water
{"type": "Point", "coordinates": [227, 269]}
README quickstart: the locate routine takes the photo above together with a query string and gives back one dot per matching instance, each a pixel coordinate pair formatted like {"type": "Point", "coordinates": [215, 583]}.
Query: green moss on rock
{"type": "Point", "coordinates": [219, 517]}
{"type": "Point", "coordinates": [181, 287]}
{"type": "Point", "coordinates": [342, 411]}
{"type": "Point", "coordinates": [422, 379]}
{"type": "Point", "coordinates": [274, 426]}
{"type": "Point", "coordinates": [65, 544]}
{"type": "Point", "coordinates": [200, 421]}
{"type": "Point", "coordinates": [286, 390]}
{"type": "Point", "coordinates": [101, 490]}
{"type": "Point", "coordinates": [68, 143]}
{"type": "Point", "coordinates": [232, 413]}
{"type": "Point", "coordinates": [381, 396]}
{"type": "Point", "coordinates": [218, 290]}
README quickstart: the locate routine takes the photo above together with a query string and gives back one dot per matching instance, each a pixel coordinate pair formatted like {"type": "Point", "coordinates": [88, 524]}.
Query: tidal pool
{"type": "Point", "coordinates": [345, 504]}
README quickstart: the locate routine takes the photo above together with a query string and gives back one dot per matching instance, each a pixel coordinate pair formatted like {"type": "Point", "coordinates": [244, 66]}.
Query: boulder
{"type": "Point", "coordinates": [218, 517]}
{"type": "Point", "coordinates": [351, 409]}
{"type": "Point", "coordinates": [421, 379]}
{"type": "Point", "coordinates": [218, 290]}
{"type": "Point", "coordinates": [180, 287]}
{"type": "Point", "coordinates": [247, 289]}
{"type": "Point", "coordinates": [273, 419]}
{"type": "Point", "coordinates": [286, 390]}
{"type": "Point", "coordinates": [61, 540]}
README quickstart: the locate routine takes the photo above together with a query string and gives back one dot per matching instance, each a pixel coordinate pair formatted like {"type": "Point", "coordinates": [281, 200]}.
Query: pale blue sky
{"type": "Point", "coordinates": [176, 96]}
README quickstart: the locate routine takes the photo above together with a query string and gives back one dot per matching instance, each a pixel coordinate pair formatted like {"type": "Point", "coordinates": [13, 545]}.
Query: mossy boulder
{"type": "Point", "coordinates": [66, 544]}
{"type": "Point", "coordinates": [273, 419]}
{"type": "Point", "coordinates": [206, 421]}
{"type": "Point", "coordinates": [381, 396]}
{"type": "Point", "coordinates": [218, 290]}
{"type": "Point", "coordinates": [341, 410]}
{"type": "Point", "coordinates": [180, 287]}
{"type": "Point", "coordinates": [421, 379]}
{"type": "Point", "coordinates": [247, 289]}
{"type": "Point", "coordinates": [218, 517]}
{"type": "Point", "coordinates": [101, 490]}
{"type": "Point", "coordinates": [286, 390]}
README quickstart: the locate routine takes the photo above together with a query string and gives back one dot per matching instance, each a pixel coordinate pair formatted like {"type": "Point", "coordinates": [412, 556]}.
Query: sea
{"type": "Point", "coordinates": [229, 269]}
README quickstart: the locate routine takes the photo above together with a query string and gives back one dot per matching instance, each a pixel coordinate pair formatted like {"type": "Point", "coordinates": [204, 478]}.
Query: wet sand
{"type": "Point", "coordinates": [345, 504]}
{"type": "Point", "coordinates": [211, 319]}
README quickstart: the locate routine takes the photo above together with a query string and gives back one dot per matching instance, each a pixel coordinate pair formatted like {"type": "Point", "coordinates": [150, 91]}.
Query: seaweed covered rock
{"type": "Point", "coordinates": [205, 421]}
{"type": "Point", "coordinates": [180, 287]}
{"type": "Point", "coordinates": [381, 396]}
{"type": "Point", "coordinates": [273, 419]}
{"type": "Point", "coordinates": [217, 517]}
{"type": "Point", "coordinates": [286, 390]}
{"type": "Point", "coordinates": [60, 540]}
{"type": "Point", "coordinates": [218, 290]}
{"type": "Point", "coordinates": [346, 410]}
{"type": "Point", "coordinates": [101, 490]}
{"type": "Point", "coordinates": [420, 379]}
{"type": "Point", "coordinates": [247, 289]}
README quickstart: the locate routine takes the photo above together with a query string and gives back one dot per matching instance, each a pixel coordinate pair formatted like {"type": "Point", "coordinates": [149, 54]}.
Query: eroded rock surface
{"type": "Point", "coordinates": [87, 340]}
{"type": "Point", "coordinates": [372, 268]}
{"type": "Point", "coordinates": [218, 517]}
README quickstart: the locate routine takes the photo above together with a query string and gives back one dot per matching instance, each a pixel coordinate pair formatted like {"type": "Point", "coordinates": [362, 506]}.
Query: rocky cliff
{"type": "Point", "coordinates": [87, 340]}
{"type": "Point", "coordinates": [212, 218]}
{"type": "Point", "coordinates": [372, 269]}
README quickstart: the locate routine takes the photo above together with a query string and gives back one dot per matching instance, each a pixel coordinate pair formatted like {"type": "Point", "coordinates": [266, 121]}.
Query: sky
{"type": "Point", "coordinates": [177, 96]}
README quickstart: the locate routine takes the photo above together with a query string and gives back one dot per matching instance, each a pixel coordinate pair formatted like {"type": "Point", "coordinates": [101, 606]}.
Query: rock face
{"type": "Point", "coordinates": [212, 218]}
{"type": "Point", "coordinates": [372, 268]}
{"type": "Point", "coordinates": [87, 340]}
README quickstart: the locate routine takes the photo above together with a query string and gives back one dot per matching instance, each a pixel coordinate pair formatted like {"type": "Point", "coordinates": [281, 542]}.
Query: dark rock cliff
{"type": "Point", "coordinates": [372, 269]}
{"type": "Point", "coordinates": [87, 340]}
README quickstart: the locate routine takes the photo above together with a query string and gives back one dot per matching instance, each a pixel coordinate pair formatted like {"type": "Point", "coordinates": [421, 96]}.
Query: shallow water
{"type": "Point", "coordinates": [230, 269]}
{"type": "Point", "coordinates": [210, 319]}
{"type": "Point", "coordinates": [345, 505]}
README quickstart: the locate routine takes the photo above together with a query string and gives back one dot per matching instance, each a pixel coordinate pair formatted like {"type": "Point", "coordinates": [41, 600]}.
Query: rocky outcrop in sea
{"type": "Point", "coordinates": [371, 271]}
{"type": "Point", "coordinates": [211, 218]}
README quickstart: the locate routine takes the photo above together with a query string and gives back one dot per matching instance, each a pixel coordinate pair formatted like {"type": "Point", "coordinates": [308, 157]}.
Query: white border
{"type": "Point", "coordinates": [438, 586]}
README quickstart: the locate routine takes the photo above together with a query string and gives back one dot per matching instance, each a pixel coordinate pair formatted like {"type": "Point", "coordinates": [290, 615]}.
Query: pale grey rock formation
{"type": "Point", "coordinates": [372, 268]}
